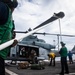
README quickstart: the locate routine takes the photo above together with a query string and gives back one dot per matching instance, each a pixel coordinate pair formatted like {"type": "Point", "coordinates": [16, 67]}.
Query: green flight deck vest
{"type": "Point", "coordinates": [6, 35]}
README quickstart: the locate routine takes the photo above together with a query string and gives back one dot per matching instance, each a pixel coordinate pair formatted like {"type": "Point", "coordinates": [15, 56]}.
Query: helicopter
{"type": "Point", "coordinates": [73, 50]}
{"type": "Point", "coordinates": [31, 43]}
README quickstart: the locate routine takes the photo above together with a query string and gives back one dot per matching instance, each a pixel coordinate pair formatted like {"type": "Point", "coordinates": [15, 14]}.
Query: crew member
{"type": "Point", "coordinates": [70, 54]}
{"type": "Point", "coordinates": [52, 56]}
{"type": "Point", "coordinates": [6, 27]}
{"type": "Point", "coordinates": [63, 53]}
{"type": "Point", "coordinates": [34, 57]}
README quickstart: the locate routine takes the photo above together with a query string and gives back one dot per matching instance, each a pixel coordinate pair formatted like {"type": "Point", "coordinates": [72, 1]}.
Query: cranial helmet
{"type": "Point", "coordinates": [62, 43]}
{"type": "Point", "coordinates": [10, 3]}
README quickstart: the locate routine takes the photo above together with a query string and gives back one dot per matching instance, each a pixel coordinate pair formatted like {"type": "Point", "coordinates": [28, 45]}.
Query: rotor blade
{"type": "Point", "coordinates": [55, 34]}
{"type": "Point", "coordinates": [47, 34]}
{"type": "Point", "coordinates": [20, 31]}
{"type": "Point", "coordinates": [53, 18]}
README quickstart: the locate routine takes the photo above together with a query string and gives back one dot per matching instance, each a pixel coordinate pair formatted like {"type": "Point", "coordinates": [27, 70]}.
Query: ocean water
{"type": "Point", "coordinates": [58, 58]}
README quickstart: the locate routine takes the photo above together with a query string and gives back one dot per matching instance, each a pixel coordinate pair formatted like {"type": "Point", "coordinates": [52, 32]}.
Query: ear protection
{"type": "Point", "coordinates": [10, 3]}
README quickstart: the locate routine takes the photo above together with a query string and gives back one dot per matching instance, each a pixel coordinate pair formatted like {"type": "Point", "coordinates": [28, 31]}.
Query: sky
{"type": "Point", "coordinates": [31, 13]}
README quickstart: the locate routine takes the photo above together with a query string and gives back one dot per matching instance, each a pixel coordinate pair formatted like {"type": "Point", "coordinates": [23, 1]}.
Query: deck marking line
{"type": "Point", "coordinates": [68, 74]}
{"type": "Point", "coordinates": [10, 72]}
